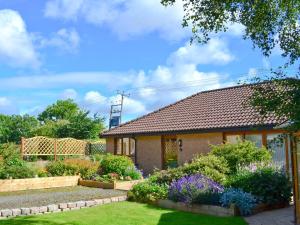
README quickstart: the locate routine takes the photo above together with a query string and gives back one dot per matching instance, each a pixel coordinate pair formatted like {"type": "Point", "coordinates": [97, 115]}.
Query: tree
{"type": "Point", "coordinates": [12, 128]}
{"type": "Point", "coordinates": [267, 23]}
{"type": "Point", "coordinates": [65, 119]}
{"type": "Point", "coordinates": [62, 109]}
{"type": "Point", "coordinates": [280, 96]}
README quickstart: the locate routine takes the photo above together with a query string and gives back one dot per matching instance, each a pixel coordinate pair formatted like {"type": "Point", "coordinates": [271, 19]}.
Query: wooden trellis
{"type": "Point", "coordinates": [44, 146]}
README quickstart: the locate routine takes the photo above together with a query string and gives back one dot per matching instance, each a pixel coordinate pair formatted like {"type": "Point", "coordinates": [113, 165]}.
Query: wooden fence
{"type": "Point", "coordinates": [44, 146]}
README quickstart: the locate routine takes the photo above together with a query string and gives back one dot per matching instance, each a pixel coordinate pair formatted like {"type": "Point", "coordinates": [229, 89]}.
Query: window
{"type": "Point", "coordinates": [276, 143]}
{"type": "Point", "coordinates": [233, 139]}
{"type": "Point", "coordinates": [255, 138]}
{"type": "Point", "coordinates": [125, 146]}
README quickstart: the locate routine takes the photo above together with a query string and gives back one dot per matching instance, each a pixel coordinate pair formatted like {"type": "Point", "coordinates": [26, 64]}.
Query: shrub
{"type": "Point", "coordinates": [69, 167]}
{"type": "Point", "coordinates": [122, 165]}
{"type": "Point", "coordinates": [194, 189]}
{"type": "Point", "coordinates": [211, 166]}
{"type": "Point", "coordinates": [11, 155]}
{"type": "Point", "coordinates": [58, 168]}
{"type": "Point", "coordinates": [132, 173]}
{"type": "Point", "coordinates": [147, 192]}
{"type": "Point", "coordinates": [271, 185]}
{"type": "Point", "coordinates": [240, 154]}
{"type": "Point", "coordinates": [86, 168]}
{"type": "Point", "coordinates": [17, 172]}
{"type": "Point", "coordinates": [11, 164]}
{"type": "Point", "coordinates": [244, 201]}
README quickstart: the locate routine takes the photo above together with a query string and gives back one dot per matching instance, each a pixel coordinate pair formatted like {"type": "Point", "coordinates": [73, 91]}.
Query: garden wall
{"type": "Point", "coordinates": [37, 183]}
{"type": "Point", "coordinates": [201, 209]}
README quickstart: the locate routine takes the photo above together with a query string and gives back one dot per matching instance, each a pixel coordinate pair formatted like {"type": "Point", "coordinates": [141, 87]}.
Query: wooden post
{"type": "Point", "coordinates": [22, 147]}
{"type": "Point", "coordinates": [55, 149]}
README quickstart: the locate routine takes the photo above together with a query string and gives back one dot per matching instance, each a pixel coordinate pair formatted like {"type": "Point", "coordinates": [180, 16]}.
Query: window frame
{"type": "Point", "coordinates": [264, 134]}
{"type": "Point", "coordinates": [123, 151]}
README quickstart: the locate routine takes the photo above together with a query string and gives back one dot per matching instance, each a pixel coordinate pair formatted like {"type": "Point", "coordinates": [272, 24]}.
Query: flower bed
{"type": "Point", "coordinates": [37, 183]}
{"type": "Point", "coordinates": [232, 174]}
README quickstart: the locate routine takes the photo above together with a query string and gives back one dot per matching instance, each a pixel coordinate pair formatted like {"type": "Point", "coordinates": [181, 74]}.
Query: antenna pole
{"type": "Point", "coordinates": [116, 111]}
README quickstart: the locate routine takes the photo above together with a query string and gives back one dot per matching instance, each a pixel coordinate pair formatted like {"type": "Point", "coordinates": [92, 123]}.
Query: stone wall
{"type": "Point", "coordinates": [61, 207]}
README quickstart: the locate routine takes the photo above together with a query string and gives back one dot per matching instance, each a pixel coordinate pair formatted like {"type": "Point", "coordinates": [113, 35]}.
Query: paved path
{"type": "Point", "coordinates": [30, 198]}
{"type": "Point", "coordinates": [275, 217]}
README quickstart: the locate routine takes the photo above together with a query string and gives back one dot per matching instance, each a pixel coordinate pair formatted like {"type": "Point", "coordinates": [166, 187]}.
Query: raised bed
{"type": "Point", "coordinates": [201, 209]}
{"type": "Point", "coordinates": [120, 185]}
{"type": "Point", "coordinates": [37, 183]}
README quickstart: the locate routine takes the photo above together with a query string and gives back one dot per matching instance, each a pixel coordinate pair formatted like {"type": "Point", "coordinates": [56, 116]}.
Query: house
{"type": "Point", "coordinates": [174, 134]}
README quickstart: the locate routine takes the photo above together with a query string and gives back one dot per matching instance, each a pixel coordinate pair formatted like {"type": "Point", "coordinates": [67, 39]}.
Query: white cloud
{"type": "Point", "coordinates": [6, 106]}
{"type": "Point", "coordinates": [96, 102]}
{"type": "Point", "coordinates": [214, 52]}
{"type": "Point", "coordinates": [252, 72]}
{"type": "Point", "coordinates": [4, 102]}
{"type": "Point", "coordinates": [64, 39]}
{"type": "Point", "coordinates": [16, 47]}
{"type": "Point", "coordinates": [69, 94]}
{"type": "Point", "coordinates": [94, 97]}
{"type": "Point", "coordinates": [126, 18]}
{"type": "Point", "coordinates": [72, 79]}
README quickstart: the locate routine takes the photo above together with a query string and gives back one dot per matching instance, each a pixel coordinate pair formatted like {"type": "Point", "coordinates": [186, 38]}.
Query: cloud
{"type": "Point", "coordinates": [16, 47]}
{"type": "Point", "coordinates": [214, 52]}
{"type": "Point", "coordinates": [71, 79]}
{"type": "Point", "coordinates": [6, 106]}
{"type": "Point", "coordinates": [64, 39]}
{"type": "Point", "coordinates": [94, 97]}
{"type": "Point", "coordinates": [69, 94]}
{"type": "Point", "coordinates": [96, 102]}
{"type": "Point", "coordinates": [126, 18]}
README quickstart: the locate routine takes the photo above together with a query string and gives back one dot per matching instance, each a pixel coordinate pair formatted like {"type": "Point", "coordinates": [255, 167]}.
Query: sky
{"type": "Point", "coordinates": [87, 50]}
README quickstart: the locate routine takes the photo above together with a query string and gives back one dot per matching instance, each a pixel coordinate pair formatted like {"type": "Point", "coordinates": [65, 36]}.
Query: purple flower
{"type": "Point", "coordinates": [187, 189]}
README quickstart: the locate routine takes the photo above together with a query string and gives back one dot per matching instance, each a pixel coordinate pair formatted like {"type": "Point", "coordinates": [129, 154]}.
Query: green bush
{"type": "Point", "coordinates": [11, 164]}
{"type": "Point", "coordinates": [211, 166]}
{"type": "Point", "coordinates": [147, 192]}
{"type": "Point", "coordinates": [58, 168]}
{"type": "Point", "coordinates": [121, 165]}
{"type": "Point", "coordinates": [241, 154]}
{"type": "Point", "coordinates": [69, 167]}
{"type": "Point", "coordinates": [270, 185]}
{"type": "Point", "coordinates": [11, 155]}
{"type": "Point", "coordinates": [17, 172]}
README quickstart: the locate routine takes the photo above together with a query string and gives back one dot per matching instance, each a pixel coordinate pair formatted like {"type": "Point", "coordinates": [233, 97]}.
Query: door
{"type": "Point", "coordinates": [170, 152]}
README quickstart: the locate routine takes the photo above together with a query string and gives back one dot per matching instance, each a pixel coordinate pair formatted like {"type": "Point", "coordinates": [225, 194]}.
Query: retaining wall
{"type": "Point", "coordinates": [37, 183]}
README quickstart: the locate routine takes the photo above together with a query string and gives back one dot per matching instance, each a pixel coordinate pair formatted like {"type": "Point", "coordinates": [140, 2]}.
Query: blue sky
{"type": "Point", "coordinates": [88, 49]}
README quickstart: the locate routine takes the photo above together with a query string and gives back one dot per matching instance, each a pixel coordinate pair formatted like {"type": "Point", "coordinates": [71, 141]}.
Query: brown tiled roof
{"type": "Point", "coordinates": [208, 110]}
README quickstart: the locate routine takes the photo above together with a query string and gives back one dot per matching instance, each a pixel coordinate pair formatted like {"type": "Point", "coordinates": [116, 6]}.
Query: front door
{"type": "Point", "coordinates": [170, 151]}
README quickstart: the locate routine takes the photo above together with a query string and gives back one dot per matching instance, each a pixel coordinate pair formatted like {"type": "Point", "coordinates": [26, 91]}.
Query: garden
{"type": "Point", "coordinates": [97, 167]}
{"type": "Point", "coordinates": [239, 175]}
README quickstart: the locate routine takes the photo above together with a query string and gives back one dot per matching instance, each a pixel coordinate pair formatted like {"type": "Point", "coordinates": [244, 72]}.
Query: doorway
{"type": "Point", "coordinates": [169, 152]}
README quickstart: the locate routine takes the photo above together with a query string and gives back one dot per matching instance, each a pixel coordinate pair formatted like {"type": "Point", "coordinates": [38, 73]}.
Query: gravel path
{"type": "Point", "coordinates": [44, 197]}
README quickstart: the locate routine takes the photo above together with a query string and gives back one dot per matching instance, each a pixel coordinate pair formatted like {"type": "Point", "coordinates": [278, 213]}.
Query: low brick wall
{"type": "Point", "coordinates": [37, 183]}
{"type": "Point", "coordinates": [61, 207]}
{"type": "Point", "coordinates": [201, 209]}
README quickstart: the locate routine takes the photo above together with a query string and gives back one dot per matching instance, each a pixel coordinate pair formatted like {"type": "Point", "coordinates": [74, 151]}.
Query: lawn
{"type": "Point", "coordinates": [124, 213]}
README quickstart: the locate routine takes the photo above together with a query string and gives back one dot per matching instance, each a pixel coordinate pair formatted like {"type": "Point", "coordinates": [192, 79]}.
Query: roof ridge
{"type": "Point", "coordinates": [177, 102]}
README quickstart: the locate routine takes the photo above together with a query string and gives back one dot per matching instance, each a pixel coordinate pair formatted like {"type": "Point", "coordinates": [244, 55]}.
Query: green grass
{"type": "Point", "coordinates": [124, 213]}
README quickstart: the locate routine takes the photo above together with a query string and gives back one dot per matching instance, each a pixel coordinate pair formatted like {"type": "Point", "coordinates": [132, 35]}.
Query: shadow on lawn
{"type": "Point", "coordinates": [28, 220]}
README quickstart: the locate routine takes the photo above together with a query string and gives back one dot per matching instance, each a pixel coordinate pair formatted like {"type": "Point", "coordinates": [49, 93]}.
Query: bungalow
{"type": "Point", "coordinates": [175, 133]}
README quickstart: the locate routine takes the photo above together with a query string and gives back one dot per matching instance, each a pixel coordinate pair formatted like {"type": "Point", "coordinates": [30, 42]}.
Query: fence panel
{"type": "Point", "coordinates": [52, 146]}
{"type": "Point", "coordinates": [97, 148]}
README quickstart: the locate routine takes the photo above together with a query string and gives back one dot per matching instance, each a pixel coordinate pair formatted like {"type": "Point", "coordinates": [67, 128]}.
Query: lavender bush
{"type": "Point", "coordinates": [195, 189]}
